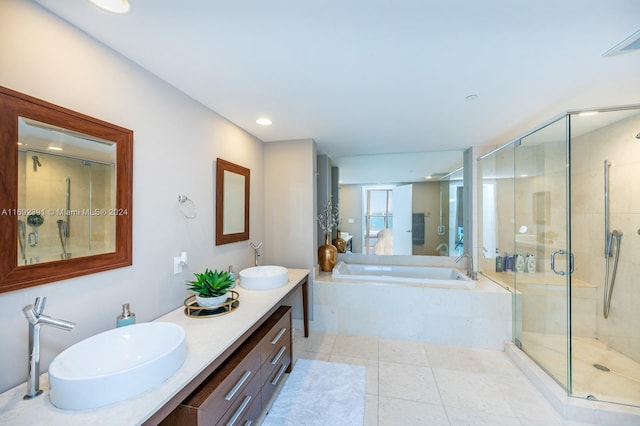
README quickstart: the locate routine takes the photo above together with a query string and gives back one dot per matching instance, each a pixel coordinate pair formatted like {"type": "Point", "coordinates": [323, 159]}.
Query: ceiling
{"type": "Point", "coordinates": [380, 76]}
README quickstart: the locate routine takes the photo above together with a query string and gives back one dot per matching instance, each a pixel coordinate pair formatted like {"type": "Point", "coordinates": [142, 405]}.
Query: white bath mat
{"type": "Point", "coordinates": [320, 393]}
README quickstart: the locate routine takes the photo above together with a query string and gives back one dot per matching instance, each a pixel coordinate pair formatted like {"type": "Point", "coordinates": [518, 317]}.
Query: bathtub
{"type": "Point", "coordinates": [444, 307]}
{"type": "Point", "coordinates": [441, 276]}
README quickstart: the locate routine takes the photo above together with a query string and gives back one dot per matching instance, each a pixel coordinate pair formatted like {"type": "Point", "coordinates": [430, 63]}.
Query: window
{"type": "Point", "coordinates": [377, 214]}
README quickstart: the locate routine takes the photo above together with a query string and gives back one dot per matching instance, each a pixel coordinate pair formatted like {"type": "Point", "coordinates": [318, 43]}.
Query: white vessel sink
{"type": "Point", "coordinates": [264, 277]}
{"type": "Point", "coordinates": [116, 365]}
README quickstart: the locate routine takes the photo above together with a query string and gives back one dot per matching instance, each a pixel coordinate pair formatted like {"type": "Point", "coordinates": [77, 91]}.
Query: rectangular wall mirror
{"type": "Point", "coordinates": [232, 202]}
{"type": "Point", "coordinates": [66, 202]}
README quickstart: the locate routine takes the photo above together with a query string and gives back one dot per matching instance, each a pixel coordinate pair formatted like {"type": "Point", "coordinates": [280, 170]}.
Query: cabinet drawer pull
{"type": "Point", "coordinates": [239, 411]}
{"type": "Point", "coordinates": [278, 355]}
{"type": "Point", "coordinates": [238, 385]}
{"type": "Point", "coordinates": [277, 378]}
{"type": "Point", "coordinates": [279, 335]}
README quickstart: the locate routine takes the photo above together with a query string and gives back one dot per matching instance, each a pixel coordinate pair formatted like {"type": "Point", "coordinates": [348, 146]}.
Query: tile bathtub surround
{"type": "Point", "coordinates": [477, 317]}
{"type": "Point", "coordinates": [415, 383]}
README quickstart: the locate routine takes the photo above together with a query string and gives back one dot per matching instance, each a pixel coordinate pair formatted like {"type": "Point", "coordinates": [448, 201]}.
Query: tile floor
{"type": "Point", "coordinates": [621, 384]}
{"type": "Point", "coordinates": [415, 383]}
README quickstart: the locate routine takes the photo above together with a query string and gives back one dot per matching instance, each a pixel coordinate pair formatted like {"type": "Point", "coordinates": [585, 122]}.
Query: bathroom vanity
{"type": "Point", "coordinates": [219, 352]}
{"type": "Point", "coordinates": [238, 391]}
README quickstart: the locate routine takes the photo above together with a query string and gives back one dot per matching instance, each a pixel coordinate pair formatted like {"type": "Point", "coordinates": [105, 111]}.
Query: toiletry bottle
{"type": "Point", "coordinates": [519, 262]}
{"type": "Point", "coordinates": [498, 261]}
{"type": "Point", "coordinates": [126, 317]}
{"type": "Point", "coordinates": [531, 264]}
{"type": "Point", "coordinates": [508, 262]}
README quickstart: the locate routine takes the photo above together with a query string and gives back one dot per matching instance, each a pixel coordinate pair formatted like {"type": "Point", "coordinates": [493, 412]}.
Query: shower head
{"type": "Point", "coordinates": [36, 163]}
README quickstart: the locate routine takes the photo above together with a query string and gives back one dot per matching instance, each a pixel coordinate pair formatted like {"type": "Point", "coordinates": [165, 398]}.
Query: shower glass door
{"type": "Point", "coordinates": [541, 260]}
{"type": "Point", "coordinates": [605, 292]}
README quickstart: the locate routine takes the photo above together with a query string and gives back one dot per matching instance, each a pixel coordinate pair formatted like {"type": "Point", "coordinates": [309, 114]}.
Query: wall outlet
{"type": "Point", "coordinates": [440, 229]}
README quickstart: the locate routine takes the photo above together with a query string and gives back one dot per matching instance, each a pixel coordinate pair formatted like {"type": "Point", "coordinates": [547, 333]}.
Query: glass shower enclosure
{"type": "Point", "coordinates": [560, 228]}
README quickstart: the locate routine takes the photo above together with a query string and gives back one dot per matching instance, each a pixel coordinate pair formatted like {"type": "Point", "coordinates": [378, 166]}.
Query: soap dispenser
{"type": "Point", "coordinates": [126, 317]}
{"type": "Point", "coordinates": [531, 264]}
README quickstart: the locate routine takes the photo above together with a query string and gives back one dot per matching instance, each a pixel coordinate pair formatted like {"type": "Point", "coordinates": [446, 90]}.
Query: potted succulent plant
{"type": "Point", "coordinates": [211, 287]}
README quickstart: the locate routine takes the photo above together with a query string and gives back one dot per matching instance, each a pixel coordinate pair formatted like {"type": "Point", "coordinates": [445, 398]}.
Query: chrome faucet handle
{"type": "Point", "coordinates": [256, 247]}
{"type": "Point", "coordinates": [463, 255]}
{"type": "Point", "coordinates": [38, 306]}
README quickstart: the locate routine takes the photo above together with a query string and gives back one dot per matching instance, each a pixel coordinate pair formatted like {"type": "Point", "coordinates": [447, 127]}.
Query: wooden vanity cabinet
{"type": "Point", "coordinates": [239, 389]}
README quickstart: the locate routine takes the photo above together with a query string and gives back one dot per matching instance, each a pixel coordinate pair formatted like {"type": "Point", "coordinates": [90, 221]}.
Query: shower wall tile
{"type": "Point", "coordinates": [617, 144]}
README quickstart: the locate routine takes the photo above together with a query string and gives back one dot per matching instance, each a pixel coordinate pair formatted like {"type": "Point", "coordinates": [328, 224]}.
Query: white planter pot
{"type": "Point", "coordinates": [211, 301]}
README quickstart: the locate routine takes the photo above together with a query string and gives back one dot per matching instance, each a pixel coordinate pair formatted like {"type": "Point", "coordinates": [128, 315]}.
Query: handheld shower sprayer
{"type": "Point", "coordinates": [36, 163]}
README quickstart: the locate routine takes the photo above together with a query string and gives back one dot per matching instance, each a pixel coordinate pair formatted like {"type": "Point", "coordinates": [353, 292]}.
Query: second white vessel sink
{"type": "Point", "coordinates": [265, 277]}
{"type": "Point", "coordinates": [116, 365]}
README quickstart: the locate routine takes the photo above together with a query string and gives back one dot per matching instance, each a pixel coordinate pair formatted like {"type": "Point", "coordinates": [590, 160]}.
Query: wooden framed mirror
{"type": "Point", "coordinates": [66, 194]}
{"type": "Point", "coordinates": [232, 202]}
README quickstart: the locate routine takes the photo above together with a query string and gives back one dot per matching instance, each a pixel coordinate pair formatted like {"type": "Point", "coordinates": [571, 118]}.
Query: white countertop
{"type": "Point", "coordinates": [206, 338]}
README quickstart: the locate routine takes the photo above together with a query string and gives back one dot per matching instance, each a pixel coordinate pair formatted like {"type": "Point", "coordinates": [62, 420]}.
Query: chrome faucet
{"type": "Point", "coordinates": [470, 272]}
{"type": "Point", "coordinates": [255, 249]}
{"type": "Point", "coordinates": [36, 319]}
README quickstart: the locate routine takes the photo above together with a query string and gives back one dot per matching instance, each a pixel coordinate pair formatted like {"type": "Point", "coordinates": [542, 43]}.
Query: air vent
{"type": "Point", "coordinates": [630, 44]}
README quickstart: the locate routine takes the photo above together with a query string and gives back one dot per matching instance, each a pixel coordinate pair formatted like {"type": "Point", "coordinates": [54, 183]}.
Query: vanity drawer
{"type": "Point", "coordinates": [243, 406]}
{"type": "Point", "coordinates": [278, 335]}
{"type": "Point", "coordinates": [224, 390]}
{"type": "Point", "coordinates": [272, 377]}
{"type": "Point", "coordinates": [280, 356]}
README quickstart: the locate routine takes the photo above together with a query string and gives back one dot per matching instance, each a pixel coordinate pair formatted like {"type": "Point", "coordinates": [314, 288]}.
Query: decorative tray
{"type": "Point", "coordinates": [193, 310]}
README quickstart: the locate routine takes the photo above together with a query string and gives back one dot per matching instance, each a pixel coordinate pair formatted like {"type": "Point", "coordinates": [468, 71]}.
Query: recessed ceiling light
{"type": "Point", "coordinates": [263, 121]}
{"type": "Point", "coordinates": [587, 113]}
{"type": "Point", "coordinates": [114, 6]}
{"type": "Point", "coordinates": [428, 177]}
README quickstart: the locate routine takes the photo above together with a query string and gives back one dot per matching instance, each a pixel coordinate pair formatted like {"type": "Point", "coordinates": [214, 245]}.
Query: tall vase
{"type": "Point", "coordinates": [327, 255]}
{"type": "Point", "coordinates": [339, 243]}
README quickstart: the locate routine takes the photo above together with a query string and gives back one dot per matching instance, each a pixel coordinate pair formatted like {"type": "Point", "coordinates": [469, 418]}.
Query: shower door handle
{"type": "Point", "coordinates": [571, 263]}
{"type": "Point", "coordinates": [553, 262]}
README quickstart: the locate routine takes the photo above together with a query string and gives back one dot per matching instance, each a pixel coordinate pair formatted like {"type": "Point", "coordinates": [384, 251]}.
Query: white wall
{"type": "Point", "coordinates": [290, 209]}
{"type": "Point", "coordinates": [289, 204]}
{"type": "Point", "coordinates": [176, 142]}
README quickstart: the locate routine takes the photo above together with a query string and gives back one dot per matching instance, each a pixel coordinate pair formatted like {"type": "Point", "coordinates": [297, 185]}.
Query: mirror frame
{"type": "Point", "coordinates": [221, 167]}
{"type": "Point", "coordinates": [13, 277]}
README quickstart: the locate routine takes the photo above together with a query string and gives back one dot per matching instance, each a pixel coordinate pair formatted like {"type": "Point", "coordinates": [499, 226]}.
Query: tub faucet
{"type": "Point", "coordinates": [441, 246]}
{"type": "Point", "coordinates": [36, 319]}
{"type": "Point", "coordinates": [255, 249]}
{"type": "Point", "coordinates": [470, 272]}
